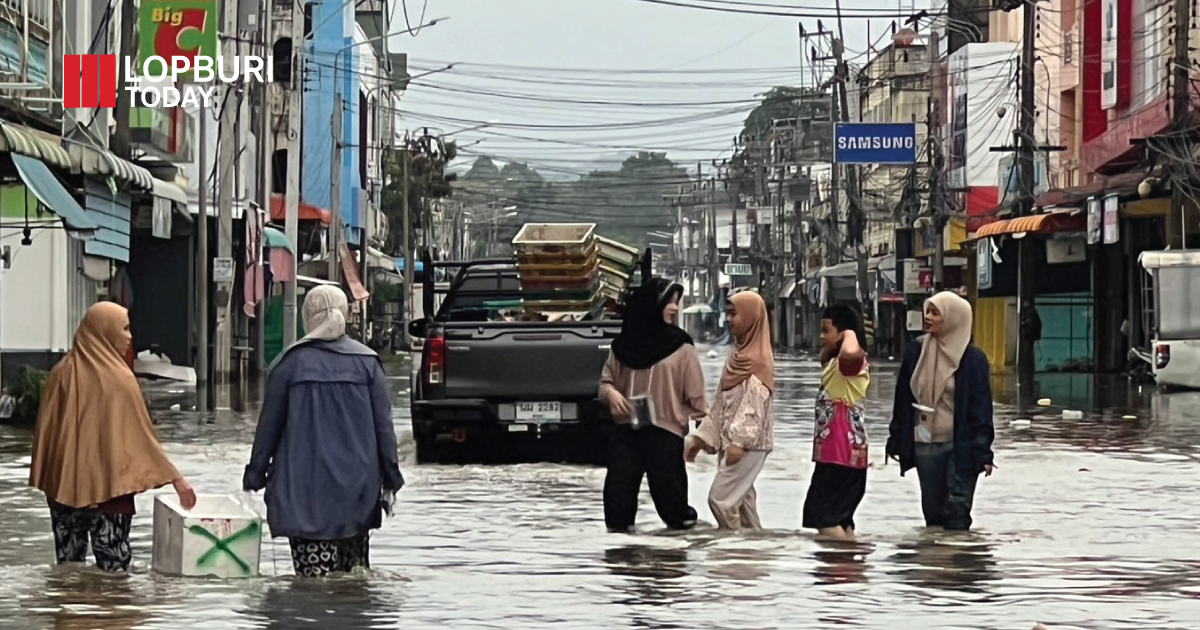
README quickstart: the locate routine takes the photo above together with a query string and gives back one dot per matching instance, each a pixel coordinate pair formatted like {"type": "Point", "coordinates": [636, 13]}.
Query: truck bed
{"type": "Point", "coordinates": [524, 361]}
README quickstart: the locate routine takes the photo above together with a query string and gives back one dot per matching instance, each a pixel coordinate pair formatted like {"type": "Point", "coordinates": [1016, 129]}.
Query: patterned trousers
{"type": "Point", "coordinates": [109, 537]}
{"type": "Point", "coordinates": [318, 558]}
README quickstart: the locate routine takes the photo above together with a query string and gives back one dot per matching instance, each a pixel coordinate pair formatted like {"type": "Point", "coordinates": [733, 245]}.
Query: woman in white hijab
{"type": "Point", "coordinates": [325, 449]}
{"type": "Point", "coordinates": [942, 418]}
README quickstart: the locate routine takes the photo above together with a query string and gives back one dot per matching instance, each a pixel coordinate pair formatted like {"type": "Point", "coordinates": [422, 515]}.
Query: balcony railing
{"type": "Point", "coordinates": [40, 12]}
{"type": "Point", "coordinates": [1068, 52]}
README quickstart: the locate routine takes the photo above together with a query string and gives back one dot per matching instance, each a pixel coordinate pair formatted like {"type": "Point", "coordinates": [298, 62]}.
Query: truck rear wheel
{"type": "Point", "coordinates": [428, 451]}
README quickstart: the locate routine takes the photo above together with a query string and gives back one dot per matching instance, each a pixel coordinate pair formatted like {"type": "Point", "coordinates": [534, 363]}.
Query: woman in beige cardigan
{"type": "Point", "coordinates": [654, 386]}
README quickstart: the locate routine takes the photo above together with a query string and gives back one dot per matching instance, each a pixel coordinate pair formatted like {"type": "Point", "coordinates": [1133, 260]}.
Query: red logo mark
{"type": "Point", "coordinates": [89, 80]}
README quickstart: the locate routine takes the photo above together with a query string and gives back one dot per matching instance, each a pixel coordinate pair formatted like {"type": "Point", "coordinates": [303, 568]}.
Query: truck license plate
{"type": "Point", "coordinates": [539, 412]}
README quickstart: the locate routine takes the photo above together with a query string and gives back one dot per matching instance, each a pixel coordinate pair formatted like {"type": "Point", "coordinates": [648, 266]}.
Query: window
{"type": "Point", "coordinates": [281, 53]}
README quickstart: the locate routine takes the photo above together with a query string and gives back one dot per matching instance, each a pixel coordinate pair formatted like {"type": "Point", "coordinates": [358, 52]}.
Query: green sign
{"type": "Point", "coordinates": [179, 28]}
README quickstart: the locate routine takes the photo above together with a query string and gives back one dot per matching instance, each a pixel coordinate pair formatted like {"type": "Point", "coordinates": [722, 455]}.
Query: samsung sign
{"type": "Point", "coordinates": [875, 143]}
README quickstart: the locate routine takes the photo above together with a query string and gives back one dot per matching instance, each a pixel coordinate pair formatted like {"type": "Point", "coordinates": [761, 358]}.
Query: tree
{"type": "Point", "coordinates": [427, 157]}
{"type": "Point", "coordinates": [779, 103]}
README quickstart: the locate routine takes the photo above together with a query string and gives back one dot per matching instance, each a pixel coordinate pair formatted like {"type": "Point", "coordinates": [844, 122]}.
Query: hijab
{"type": "Point", "coordinates": [325, 311]}
{"type": "Point", "coordinates": [753, 355]}
{"type": "Point", "coordinates": [646, 338]}
{"type": "Point", "coordinates": [324, 317]}
{"type": "Point", "coordinates": [94, 440]}
{"type": "Point", "coordinates": [941, 353]}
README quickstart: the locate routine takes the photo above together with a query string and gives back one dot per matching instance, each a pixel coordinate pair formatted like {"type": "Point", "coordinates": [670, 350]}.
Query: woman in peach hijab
{"type": "Point", "coordinates": [94, 447]}
{"type": "Point", "coordinates": [740, 426]}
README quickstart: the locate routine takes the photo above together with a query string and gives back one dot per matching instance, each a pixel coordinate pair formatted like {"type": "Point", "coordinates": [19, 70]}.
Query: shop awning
{"type": "Point", "coordinates": [1035, 224]}
{"type": "Point", "coordinates": [97, 161]}
{"type": "Point", "coordinates": [54, 195]}
{"type": "Point", "coordinates": [39, 145]}
{"type": "Point", "coordinates": [788, 289]}
{"type": "Point", "coordinates": [276, 239]}
{"type": "Point", "coordinates": [308, 212]}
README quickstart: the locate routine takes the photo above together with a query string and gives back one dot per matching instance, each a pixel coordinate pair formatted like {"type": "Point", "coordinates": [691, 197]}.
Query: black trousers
{"type": "Point", "coordinates": [656, 454]}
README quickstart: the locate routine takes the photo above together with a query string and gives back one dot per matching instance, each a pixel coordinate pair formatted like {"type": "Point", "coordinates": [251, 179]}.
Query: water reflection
{"type": "Point", "coordinates": [952, 562]}
{"type": "Point", "coordinates": [340, 603]}
{"type": "Point", "coordinates": [841, 562]}
{"type": "Point", "coordinates": [89, 600]}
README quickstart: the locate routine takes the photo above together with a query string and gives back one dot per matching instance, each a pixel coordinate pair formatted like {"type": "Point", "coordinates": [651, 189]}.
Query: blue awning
{"type": "Point", "coordinates": [417, 269]}
{"type": "Point", "coordinates": [54, 196]}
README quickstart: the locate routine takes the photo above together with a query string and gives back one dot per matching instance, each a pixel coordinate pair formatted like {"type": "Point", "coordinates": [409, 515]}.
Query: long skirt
{"type": "Point", "coordinates": [319, 558]}
{"type": "Point", "coordinates": [834, 493]}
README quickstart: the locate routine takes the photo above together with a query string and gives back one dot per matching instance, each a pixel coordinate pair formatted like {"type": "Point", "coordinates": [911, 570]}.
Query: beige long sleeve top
{"type": "Point", "coordinates": [740, 417]}
{"type": "Point", "coordinates": [675, 384]}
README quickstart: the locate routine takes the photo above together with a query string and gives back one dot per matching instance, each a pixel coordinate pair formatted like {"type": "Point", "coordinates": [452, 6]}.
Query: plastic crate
{"type": "Point", "coordinates": [583, 280]}
{"type": "Point", "coordinates": [218, 538]}
{"type": "Point", "coordinates": [554, 238]}
{"type": "Point", "coordinates": [620, 255]}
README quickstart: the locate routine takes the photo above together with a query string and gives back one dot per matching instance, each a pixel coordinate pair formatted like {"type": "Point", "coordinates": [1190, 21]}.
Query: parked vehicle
{"type": "Point", "coordinates": [498, 382]}
{"type": "Point", "coordinates": [1175, 278]}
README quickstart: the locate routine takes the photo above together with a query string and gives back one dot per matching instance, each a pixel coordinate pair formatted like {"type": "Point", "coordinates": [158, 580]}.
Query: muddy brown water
{"type": "Point", "coordinates": [1088, 523]}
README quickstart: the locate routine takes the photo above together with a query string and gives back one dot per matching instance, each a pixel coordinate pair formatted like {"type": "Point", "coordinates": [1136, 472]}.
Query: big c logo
{"type": "Point", "coordinates": [89, 81]}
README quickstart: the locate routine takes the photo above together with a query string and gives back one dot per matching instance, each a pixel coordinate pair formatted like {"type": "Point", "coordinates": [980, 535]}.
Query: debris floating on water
{"type": "Point", "coordinates": [1129, 417]}
{"type": "Point", "coordinates": [1072, 414]}
{"type": "Point", "coordinates": [1045, 402]}
{"type": "Point", "coordinates": [176, 407]}
{"type": "Point", "coordinates": [1021, 423]}
{"type": "Point", "coordinates": [712, 354]}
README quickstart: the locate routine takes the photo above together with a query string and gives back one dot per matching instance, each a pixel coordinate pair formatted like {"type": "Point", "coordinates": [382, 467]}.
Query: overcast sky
{"type": "Point", "coordinates": [571, 83]}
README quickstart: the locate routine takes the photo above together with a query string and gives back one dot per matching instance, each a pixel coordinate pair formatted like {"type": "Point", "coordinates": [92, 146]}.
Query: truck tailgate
{"type": "Point", "coordinates": [526, 362]}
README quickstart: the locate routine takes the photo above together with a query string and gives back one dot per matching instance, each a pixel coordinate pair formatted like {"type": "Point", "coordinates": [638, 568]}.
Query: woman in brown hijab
{"type": "Point", "coordinates": [740, 426]}
{"type": "Point", "coordinates": [95, 447]}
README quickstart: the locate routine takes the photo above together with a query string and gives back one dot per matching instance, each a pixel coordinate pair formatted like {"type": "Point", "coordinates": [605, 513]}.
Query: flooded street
{"type": "Point", "coordinates": [1088, 523]}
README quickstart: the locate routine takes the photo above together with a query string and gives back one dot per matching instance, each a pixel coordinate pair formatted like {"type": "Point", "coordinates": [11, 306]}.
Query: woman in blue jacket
{"type": "Point", "coordinates": [942, 419]}
{"type": "Point", "coordinates": [325, 449]}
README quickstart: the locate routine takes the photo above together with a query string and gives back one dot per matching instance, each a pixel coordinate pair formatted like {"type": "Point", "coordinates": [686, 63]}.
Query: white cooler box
{"type": "Point", "coordinates": [218, 538]}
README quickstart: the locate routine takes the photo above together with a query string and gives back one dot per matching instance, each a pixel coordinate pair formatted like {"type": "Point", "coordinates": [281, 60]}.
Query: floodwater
{"type": "Point", "coordinates": [1088, 523]}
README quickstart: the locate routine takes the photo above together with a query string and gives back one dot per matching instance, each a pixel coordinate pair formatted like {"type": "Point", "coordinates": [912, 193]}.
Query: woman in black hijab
{"type": "Point", "coordinates": [653, 385]}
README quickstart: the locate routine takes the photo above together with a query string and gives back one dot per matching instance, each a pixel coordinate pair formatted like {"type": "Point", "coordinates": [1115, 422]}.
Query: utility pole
{"type": "Point", "coordinates": [410, 262]}
{"type": "Point", "coordinates": [937, 194]}
{"type": "Point", "coordinates": [292, 219]}
{"type": "Point", "coordinates": [335, 196]}
{"type": "Point", "coordinates": [1180, 109]}
{"type": "Point", "coordinates": [202, 271]}
{"type": "Point", "coordinates": [265, 163]}
{"type": "Point", "coordinates": [714, 254]}
{"type": "Point", "coordinates": [227, 152]}
{"type": "Point", "coordinates": [1024, 143]}
{"type": "Point", "coordinates": [121, 140]}
{"type": "Point", "coordinates": [855, 221]}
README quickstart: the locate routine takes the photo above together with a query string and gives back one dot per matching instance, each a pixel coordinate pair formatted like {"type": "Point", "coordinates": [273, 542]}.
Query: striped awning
{"type": "Point", "coordinates": [1047, 223]}
{"type": "Point", "coordinates": [96, 161]}
{"type": "Point", "coordinates": [35, 144]}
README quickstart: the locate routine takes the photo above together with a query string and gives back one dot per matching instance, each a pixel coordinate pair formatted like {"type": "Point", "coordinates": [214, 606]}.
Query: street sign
{"type": "Point", "coordinates": [738, 269]}
{"type": "Point", "coordinates": [875, 143]}
{"type": "Point", "coordinates": [222, 270]}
